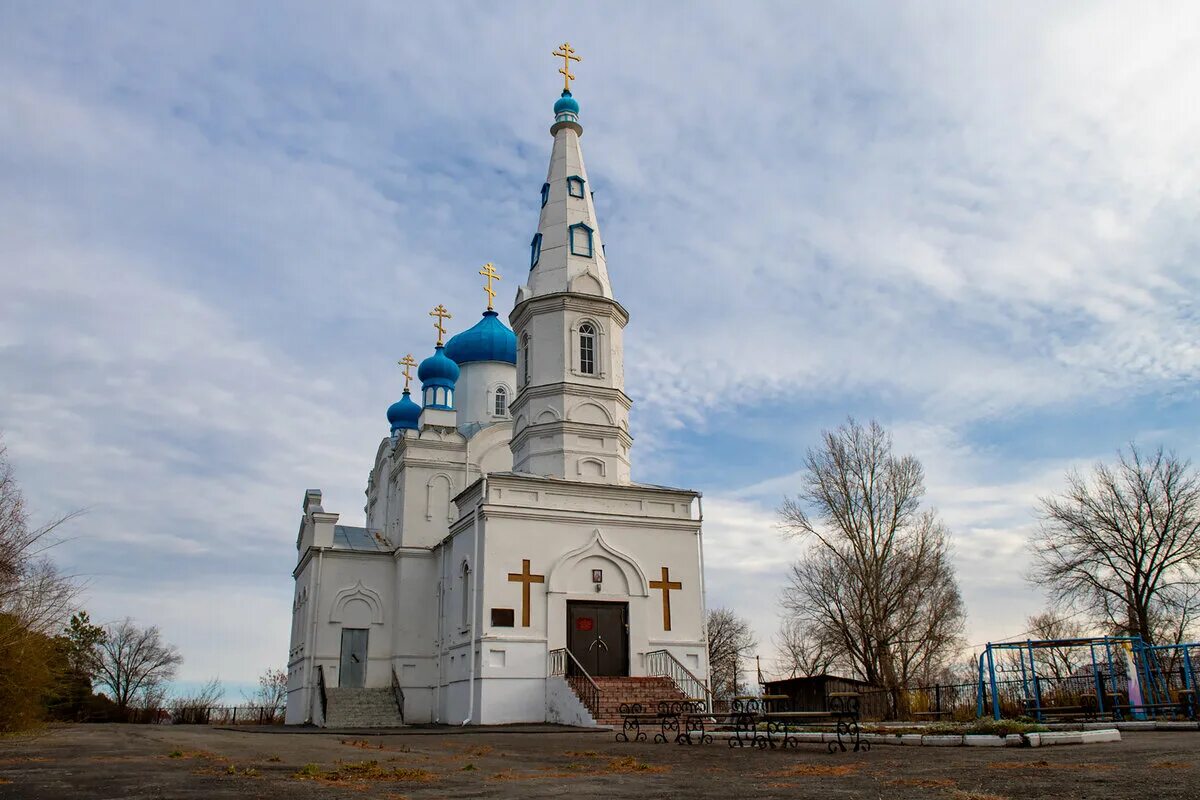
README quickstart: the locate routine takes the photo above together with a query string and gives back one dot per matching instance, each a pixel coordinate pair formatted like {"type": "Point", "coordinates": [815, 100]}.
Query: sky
{"type": "Point", "coordinates": [221, 224]}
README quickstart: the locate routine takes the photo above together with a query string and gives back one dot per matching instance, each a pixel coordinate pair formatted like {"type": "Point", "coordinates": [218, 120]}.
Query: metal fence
{"type": "Point", "coordinates": [205, 715]}
{"type": "Point", "coordinates": [961, 701]}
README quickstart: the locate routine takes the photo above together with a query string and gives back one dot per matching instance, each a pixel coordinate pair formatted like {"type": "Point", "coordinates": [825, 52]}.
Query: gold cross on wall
{"type": "Point", "coordinates": [489, 272]}
{"type": "Point", "coordinates": [567, 54]}
{"type": "Point", "coordinates": [442, 314]}
{"type": "Point", "coordinates": [666, 584]}
{"type": "Point", "coordinates": [525, 578]}
{"type": "Point", "coordinates": [408, 362]}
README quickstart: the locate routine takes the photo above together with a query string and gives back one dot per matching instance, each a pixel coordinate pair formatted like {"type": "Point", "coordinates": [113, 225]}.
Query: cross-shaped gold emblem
{"type": "Point", "coordinates": [408, 362]}
{"type": "Point", "coordinates": [442, 315]}
{"type": "Point", "coordinates": [567, 54]}
{"type": "Point", "coordinates": [666, 584]}
{"type": "Point", "coordinates": [489, 272]}
{"type": "Point", "coordinates": [525, 577]}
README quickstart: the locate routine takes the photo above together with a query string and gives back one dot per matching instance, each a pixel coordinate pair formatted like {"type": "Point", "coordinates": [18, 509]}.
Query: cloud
{"type": "Point", "coordinates": [220, 227]}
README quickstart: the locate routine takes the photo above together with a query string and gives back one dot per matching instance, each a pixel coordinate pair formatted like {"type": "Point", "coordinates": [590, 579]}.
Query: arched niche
{"type": "Point", "coordinates": [347, 603]}
{"type": "Point", "coordinates": [572, 570]}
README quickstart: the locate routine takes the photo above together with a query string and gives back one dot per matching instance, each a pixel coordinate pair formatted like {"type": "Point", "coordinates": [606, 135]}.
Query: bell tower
{"type": "Point", "coordinates": [570, 413]}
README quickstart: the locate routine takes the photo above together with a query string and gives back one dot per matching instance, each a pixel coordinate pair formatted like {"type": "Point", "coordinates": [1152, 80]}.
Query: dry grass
{"type": "Point", "coordinates": [352, 773]}
{"type": "Point", "coordinates": [815, 770]}
{"type": "Point", "coordinates": [14, 760]}
{"type": "Point", "coordinates": [627, 764]}
{"type": "Point", "coordinates": [923, 783]}
{"type": "Point", "coordinates": [581, 754]}
{"type": "Point", "coordinates": [1164, 764]}
{"type": "Point", "coordinates": [960, 794]}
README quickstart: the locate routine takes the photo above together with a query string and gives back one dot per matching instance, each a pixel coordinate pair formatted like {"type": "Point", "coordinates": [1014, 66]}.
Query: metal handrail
{"type": "Point", "coordinates": [560, 666]}
{"type": "Point", "coordinates": [663, 664]}
{"type": "Point", "coordinates": [321, 693]}
{"type": "Point", "coordinates": [397, 694]}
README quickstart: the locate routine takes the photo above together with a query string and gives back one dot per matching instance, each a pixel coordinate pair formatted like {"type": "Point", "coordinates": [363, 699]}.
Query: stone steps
{"type": "Point", "coordinates": [361, 708]}
{"type": "Point", "coordinates": [617, 691]}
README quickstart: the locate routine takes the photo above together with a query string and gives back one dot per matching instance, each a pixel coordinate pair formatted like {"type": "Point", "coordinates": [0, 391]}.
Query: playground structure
{"type": "Point", "coordinates": [1121, 677]}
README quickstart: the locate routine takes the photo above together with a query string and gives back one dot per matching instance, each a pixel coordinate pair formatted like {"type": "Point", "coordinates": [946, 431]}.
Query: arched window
{"type": "Point", "coordinates": [466, 594]}
{"type": "Point", "coordinates": [579, 236]}
{"type": "Point", "coordinates": [587, 349]}
{"type": "Point", "coordinates": [500, 409]}
{"type": "Point", "coordinates": [525, 357]}
{"type": "Point", "coordinates": [535, 250]}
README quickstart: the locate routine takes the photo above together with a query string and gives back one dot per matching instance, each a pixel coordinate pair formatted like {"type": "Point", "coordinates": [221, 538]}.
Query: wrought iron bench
{"type": "Point", "coordinates": [667, 718]}
{"type": "Point", "coordinates": [842, 708]}
{"type": "Point", "coordinates": [767, 721]}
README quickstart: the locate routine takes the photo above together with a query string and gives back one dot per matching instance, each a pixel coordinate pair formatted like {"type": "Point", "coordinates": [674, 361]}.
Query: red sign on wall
{"type": "Point", "coordinates": [584, 624]}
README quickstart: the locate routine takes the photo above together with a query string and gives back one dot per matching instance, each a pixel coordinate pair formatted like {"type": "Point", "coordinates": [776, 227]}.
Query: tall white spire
{"type": "Point", "coordinates": [571, 413]}
{"type": "Point", "coordinates": [567, 252]}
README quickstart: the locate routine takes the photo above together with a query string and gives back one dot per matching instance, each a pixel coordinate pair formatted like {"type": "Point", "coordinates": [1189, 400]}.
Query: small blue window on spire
{"type": "Point", "coordinates": [575, 186]}
{"type": "Point", "coordinates": [545, 194]}
{"type": "Point", "coordinates": [535, 250]}
{"type": "Point", "coordinates": [580, 237]}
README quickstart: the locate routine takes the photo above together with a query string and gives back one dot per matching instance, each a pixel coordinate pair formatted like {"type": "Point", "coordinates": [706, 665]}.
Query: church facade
{"type": "Point", "coordinates": [506, 545]}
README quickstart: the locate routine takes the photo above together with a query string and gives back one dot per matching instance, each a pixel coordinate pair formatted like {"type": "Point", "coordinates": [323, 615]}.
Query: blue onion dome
{"type": "Point", "coordinates": [489, 340]}
{"type": "Point", "coordinates": [438, 370]}
{"type": "Point", "coordinates": [566, 103]}
{"type": "Point", "coordinates": [404, 413]}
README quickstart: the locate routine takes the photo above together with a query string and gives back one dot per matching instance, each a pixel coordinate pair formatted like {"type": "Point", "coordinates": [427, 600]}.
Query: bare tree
{"type": "Point", "coordinates": [272, 691]}
{"type": "Point", "coordinates": [1124, 544]}
{"type": "Point", "coordinates": [730, 640]}
{"type": "Point", "coordinates": [32, 590]}
{"type": "Point", "coordinates": [135, 662]}
{"type": "Point", "coordinates": [802, 655]}
{"type": "Point", "coordinates": [196, 707]}
{"type": "Point", "coordinates": [35, 599]}
{"type": "Point", "coordinates": [876, 586]}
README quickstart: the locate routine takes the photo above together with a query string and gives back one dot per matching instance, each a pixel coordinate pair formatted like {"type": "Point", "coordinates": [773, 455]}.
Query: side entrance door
{"type": "Point", "coordinates": [598, 636]}
{"type": "Point", "coordinates": [353, 671]}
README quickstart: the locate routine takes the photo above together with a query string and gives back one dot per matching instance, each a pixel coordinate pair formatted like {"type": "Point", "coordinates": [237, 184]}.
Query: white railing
{"type": "Point", "coordinates": [661, 664]}
{"type": "Point", "coordinates": [563, 664]}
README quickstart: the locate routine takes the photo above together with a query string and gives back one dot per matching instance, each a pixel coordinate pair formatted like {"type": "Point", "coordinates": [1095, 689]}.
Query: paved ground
{"type": "Point", "coordinates": [145, 761]}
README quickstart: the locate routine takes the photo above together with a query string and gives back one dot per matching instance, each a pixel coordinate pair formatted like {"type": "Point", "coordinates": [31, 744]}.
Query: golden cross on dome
{"type": "Point", "coordinates": [408, 362]}
{"type": "Point", "coordinates": [489, 272]}
{"type": "Point", "coordinates": [442, 315]}
{"type": "Point", "coordinates": [567, 54]}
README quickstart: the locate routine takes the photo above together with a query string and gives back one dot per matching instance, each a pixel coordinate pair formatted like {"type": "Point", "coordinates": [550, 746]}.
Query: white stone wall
{"type": "Point", "coordinates": [474, 393]}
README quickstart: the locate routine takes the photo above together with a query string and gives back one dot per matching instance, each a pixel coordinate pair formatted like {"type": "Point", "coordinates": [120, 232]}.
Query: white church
{"type": "Point", "coordinates": [510, 570]}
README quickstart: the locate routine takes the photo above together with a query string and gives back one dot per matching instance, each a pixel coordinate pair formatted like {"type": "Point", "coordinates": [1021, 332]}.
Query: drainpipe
{"type": "Point", "coordinates": [474, 603]}
{"type": "Point", "coordinates": [703, 597]}
{"type": "Point", "coordinates": [441, 642]}
{"type": "Point", "coordinates": [312, 659]}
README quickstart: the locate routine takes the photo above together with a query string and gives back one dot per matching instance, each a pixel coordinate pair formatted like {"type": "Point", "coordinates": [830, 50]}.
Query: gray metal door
{"type": "Point", "coordinates": [353, 672]}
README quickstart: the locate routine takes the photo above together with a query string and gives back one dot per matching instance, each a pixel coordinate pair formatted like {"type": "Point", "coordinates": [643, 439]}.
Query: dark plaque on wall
{"type": "Point", "coordinates": [502, 617]}
{"type": "Point", "coordinates": [597, 576]}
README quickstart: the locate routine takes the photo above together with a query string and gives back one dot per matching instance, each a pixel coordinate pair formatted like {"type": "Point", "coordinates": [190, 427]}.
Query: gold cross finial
{"type": "Point", "coordinates": [408, 362]}
{"type": "Point", "coordinates": [567, 54]}
{"type": "Point", "coordinates": [442, 315]}
{"type": "Point", "coordinates": [489, 272]}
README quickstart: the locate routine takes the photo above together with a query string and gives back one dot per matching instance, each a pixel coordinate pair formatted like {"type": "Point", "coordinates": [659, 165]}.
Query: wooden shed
{"type": "Point", "coordinates": [808, 694]}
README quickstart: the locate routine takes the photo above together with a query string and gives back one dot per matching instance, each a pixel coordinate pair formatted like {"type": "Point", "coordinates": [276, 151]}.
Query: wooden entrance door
{"type": "Point", "coordinates": [598, 636]}
{"type": "Point", "coordinates": [352, 674]}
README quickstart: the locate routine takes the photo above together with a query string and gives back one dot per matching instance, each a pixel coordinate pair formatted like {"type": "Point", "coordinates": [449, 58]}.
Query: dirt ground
{"type": "Point", "coordinates": [150, 761]}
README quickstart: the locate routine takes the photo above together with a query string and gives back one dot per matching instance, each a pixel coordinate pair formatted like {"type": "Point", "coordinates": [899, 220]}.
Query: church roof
{"type": "Point", "coordinates": [488, 340]}
{"type": "Point", "coordinates": [347, 537]}
{"type": "Point", "coordinates": [566, 253]}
